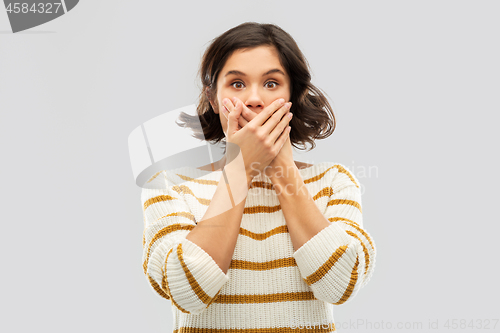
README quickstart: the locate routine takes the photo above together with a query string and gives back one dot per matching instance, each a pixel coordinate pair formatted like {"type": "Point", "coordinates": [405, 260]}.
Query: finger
{"type": "Point", "coordinates": [246, 114]}
{"type": "Point", "coordinates": [227, 105]}
{"type": "Point", "coordinates": [283, 137]}
{"type": "Point", "coordinates": [232, 117]}
{"type": "Point", "coordinates": [263, 116]}
{"type": "Point", "coordinates": [230, 106]}
{"type": "Point", "coordinates": [226, 114]}
{"type": "Point", "coordinates": [281, 127]}
{"type": "Point", "coordinates": [238, 105]}
{"type": "Point", "coordinates": [276, 118]}
{"type": "Point", "coordinates": [225, 111]}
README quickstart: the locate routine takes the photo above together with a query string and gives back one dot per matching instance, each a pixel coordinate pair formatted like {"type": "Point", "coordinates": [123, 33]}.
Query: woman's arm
{"type": "Point", "coordinates": [218, 230]}
{"type": "Point", "coordinates": [186, 261]}
{"type": "Point", "coordinates": [335, 255]}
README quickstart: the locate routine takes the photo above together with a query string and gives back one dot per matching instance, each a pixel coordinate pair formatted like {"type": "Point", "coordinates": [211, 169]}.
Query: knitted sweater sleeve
{"type": "Point", "coordinates": [340, 259]}
{"type": "Point", "coordinates": [177, 268]}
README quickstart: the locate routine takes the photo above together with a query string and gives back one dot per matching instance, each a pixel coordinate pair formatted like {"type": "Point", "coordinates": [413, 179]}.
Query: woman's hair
{"type": "Point", "coordinates": [312, 114]}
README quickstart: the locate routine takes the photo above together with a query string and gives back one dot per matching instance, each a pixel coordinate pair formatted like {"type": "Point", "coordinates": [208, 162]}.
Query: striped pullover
{"type": "Point", "coordinates": [269, 287]}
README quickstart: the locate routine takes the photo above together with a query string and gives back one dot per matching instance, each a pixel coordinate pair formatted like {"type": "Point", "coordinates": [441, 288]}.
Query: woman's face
{"type": "Point", "coordinates": [254, 76]}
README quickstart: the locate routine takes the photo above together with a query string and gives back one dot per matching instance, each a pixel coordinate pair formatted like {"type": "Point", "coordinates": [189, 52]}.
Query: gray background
{"type": "Point", "coordinates": [415, 87]}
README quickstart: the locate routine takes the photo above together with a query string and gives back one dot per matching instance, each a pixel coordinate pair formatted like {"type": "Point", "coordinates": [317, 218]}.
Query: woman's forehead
{"type": "Point", "coordinates": [262, 60]}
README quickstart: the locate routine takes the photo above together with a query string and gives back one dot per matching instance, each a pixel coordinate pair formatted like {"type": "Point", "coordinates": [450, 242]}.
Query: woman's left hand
{"type": "Point", "coordinates": [283, 164]}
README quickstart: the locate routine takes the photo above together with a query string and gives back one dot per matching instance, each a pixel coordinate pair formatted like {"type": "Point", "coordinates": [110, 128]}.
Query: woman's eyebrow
{"type": "Point", "coordinates": [274, 70]}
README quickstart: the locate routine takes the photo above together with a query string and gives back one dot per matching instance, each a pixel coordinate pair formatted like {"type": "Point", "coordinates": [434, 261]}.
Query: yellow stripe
{"type": "Point", "coordinates": [334, 219]}
{"type": "Point", "coordinates": [199, 181]}
{"type": "Point", "coordinates": [192, 281]}
{"type": "Point", "coordinates": [156, 287]}
{"type": "Point", "coordinates": [167, 288]}
{"type": "Point", "coordinates": [157, 199]}
{"type": "Point", "coordinates": [278, 230]}
{"type": "Point", "coordinates": [318, 177]}
{"type": "Point", "coordinates": [344, 202]}
{"type": "Point", "coordinates": [151, 179]}
{"type": "Point", "coordinates": [265, 185]}
{"type": "Point", "coordinates": [350, 286]}
{"type": "Point", "coordinates": [323, 270]}
{"type": "Point", "coordinates": [162, 232]}
{"type": "Point", "coordinates": [367, 255]}
{"type": "Point", "coordinates": [344, 171]}
{"type": "Point", "coordinates": [326, 192]}
{"type": "Point", "coordinates": [287, 329]}
{"type": "Point", "coordinates": [340, 169]}
{"type": "Point", "coordinates": [262, 266]}
{"type": "Point", "coordinates": [187, 215]}
{"type": "Point", "coordinates": [213, 298]}
{"type": "Point", "coordinates": [266, 298]}
{"type": "Point", "coordinates": [186, 190]}
{"type": "Point", "coordinates": [355, 226]}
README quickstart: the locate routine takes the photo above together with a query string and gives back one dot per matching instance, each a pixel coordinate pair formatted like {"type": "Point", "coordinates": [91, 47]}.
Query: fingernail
{"type": "Point", "coordinates": [288, 105]}
{"type": "Point", "coordinates": [224, 101]}
{"type": "Point", "coordinates": [290, 115]}
{"type": "Point", "coordinates": [233, 99]}
{"type": "Point", "coordinates": [282, 101]}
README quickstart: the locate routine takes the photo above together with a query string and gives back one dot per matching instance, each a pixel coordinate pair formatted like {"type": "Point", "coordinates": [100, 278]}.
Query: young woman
{"type": "Point", "coordinates": [257, 240]}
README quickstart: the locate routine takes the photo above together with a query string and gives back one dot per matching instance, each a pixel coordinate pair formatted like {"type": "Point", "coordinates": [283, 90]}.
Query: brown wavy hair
{"type": "Point", "coordinates": [313, 117]}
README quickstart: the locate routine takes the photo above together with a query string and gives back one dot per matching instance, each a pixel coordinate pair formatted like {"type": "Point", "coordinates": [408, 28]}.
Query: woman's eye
{"type": "Point", "coordinates": [274, 84]}
{"type": "Point", "coordinates": [236, 83]}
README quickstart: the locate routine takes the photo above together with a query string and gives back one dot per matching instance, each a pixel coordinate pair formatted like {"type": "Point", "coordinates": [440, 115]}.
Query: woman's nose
{"type": "Point", "coordinates": [254, 100]}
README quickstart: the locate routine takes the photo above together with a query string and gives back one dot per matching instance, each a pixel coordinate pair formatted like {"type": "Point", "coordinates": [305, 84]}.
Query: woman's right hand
{"type": "Point", "coordinates": [261, 139]}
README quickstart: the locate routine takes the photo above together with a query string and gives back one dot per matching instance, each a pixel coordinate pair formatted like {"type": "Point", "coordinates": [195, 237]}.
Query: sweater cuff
{"type": "Point", "coordinates": [318, 250]}
{"type": "Point", "coordinates": [203, 268]}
